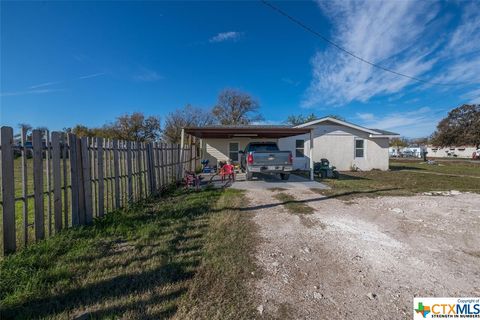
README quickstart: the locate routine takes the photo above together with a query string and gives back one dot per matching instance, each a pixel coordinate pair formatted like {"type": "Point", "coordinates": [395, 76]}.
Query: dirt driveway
{"type": "Point", "coordinates": [364, 259]}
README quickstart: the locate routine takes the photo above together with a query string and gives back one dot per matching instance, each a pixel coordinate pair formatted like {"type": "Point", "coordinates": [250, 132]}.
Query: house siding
{"type": "Point", "coordinates": [337, 144]}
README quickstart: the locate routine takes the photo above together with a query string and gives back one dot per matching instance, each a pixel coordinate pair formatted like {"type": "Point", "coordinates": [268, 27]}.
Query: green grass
{"type": "Point", "coordinates": [446, 167]}
{"type": "Point", "coordinates": [405, 178]}
{"type": "Point", "coordinates": [108, 200]}
{"type": "Point", "coordinates": [188, 255]}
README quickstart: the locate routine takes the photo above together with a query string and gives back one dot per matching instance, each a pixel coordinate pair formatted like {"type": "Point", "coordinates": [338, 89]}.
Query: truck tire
{"type": "Point", "coordinates": [248, 176]}
{"type": "Point", "coordinates": [284, 176]}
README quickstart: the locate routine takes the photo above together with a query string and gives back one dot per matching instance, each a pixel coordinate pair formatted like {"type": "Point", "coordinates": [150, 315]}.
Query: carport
{"type": "Point", "coordinates": [250, 132]}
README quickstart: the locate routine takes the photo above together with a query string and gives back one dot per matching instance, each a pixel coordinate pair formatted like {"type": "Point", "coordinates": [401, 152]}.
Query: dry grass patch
{"type": "Point", "coordinates": [299, 208]}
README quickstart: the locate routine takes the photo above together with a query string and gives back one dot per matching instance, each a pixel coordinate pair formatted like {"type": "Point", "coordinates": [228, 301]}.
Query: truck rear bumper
{"type": "Point", "coordinates": [270, 169]}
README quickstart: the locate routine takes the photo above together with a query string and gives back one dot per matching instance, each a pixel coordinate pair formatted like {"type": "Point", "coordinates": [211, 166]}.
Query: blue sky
{"type": "Point", "coordinates": [64, 63]}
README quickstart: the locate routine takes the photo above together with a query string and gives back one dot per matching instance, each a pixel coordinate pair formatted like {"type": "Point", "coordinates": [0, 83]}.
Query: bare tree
{"type": "Point", "coordinates": [188, 116]}
{"type": "Point", "coordinates": [295, 120]}
{"type": "Point", "coordinates": [133, 127]}
{"type": "Point", "coordinates": [236, 108]}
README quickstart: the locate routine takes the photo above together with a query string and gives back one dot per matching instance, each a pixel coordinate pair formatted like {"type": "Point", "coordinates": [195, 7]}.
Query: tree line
{"type": "Point", "coordinates": [233, 107]}
{"type": "Point", "coordinates": [461, 127]}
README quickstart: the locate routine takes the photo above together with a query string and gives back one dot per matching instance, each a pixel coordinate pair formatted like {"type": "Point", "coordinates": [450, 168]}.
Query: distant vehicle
{"type": "Point", "coordinates": [265, 157]}
{"type": "Point", "coordinates": [476, 155]}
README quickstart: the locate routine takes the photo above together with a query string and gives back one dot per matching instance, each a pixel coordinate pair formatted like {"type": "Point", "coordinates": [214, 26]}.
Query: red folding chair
{"type": "Point", "coordinates": [227, 170]}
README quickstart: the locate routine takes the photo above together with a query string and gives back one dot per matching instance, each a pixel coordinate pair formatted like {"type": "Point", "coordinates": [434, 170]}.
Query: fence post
{"type": "Point", "coordinates": [57, 185]}
{"type": "Point", "coordinates": [8, 191]}
{"type": "Point", "coordinates": [101, 194]}
{"type": "Point", "coordinates": [72, 141]}
{"type": "Point", "coordinates": [179, 154]}
{"type": "Point", "coordinates": [87, 182]}
{"type": "Point", "coordinates": [38, 184]}
{"type": "Point", "coordinates": [116, 173]}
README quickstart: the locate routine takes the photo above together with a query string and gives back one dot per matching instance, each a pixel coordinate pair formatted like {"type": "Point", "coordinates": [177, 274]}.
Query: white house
{"type": "Point", "coordinates": [345, 145]}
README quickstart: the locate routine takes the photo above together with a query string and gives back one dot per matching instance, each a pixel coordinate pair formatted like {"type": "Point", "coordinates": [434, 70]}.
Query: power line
{"type": "Point", "coordinates": [309, 29]}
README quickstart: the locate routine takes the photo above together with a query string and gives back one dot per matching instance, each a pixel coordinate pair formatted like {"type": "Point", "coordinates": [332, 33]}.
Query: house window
{"type": "Point", "coordinates": [299, 148]}
{"type": "Point", "coordinates": [359, 148]}
{"type": "Point", "coordinates": [233, 151]}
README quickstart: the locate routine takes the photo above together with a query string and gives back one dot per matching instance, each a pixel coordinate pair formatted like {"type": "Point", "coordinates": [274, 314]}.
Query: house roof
{"type": "Point", "coordinates": [385, 132]}
{"type": "Point", "coordinates": [373, 132]}
{"type": "Point", "coordinates": [247, 131]}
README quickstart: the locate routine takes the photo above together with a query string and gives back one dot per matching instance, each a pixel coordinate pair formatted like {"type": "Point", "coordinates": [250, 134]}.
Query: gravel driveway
{"type": "Point", "coordinates": [367, 258]}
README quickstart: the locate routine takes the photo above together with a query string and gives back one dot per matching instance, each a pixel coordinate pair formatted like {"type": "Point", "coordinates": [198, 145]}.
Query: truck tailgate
{"type": "Point", "coordinates": [273, 158]}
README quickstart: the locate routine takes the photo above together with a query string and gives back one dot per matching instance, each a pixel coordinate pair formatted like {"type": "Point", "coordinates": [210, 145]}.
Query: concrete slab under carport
{"type": "Point", "coordinates": [271, 181]}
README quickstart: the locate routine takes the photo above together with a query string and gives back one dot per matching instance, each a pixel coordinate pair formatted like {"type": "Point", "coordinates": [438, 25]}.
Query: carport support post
{"type": "Point", "coordinates": [310, 155]}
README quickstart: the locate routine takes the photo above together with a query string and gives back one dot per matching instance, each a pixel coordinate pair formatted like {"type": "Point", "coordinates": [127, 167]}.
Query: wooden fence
{"type": "Point", "coordinates": [55, 181]}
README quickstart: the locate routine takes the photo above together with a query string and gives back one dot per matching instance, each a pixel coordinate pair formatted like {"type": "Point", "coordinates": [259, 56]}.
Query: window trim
{"type": "Point", "coordinates": [303, 149]}
{"type": "Point", "coordinates": [238, 151]}
{"type": "Point", "coordinates": [355, 148]}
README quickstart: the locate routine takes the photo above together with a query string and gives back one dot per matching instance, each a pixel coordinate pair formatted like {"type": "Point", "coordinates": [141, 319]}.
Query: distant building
{"type": "Point", "coordinates": [406, 152]}
{"type": "Point", "coordinates": [451, 152]}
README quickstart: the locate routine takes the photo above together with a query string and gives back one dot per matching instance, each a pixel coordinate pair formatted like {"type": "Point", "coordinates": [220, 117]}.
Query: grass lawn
{"type": "Point", "coordinates": [459, 167]}
{"type": "Point", "coordinates": [405, 178]}
{"type": "Point", "coordinates": [108, 200]}
{"type": "Point", "coordinates": [185, 256]}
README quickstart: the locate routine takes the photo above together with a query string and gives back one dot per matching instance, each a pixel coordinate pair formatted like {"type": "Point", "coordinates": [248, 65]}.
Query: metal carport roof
{"type": "Point", "coordinates": [247, 131]}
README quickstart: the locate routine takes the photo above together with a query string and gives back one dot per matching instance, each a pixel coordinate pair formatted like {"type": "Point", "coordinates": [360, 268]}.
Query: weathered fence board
{"type": "Point", "coordinates": [57, 181]}
{"type": "Point", "coordinates": [72, 142]}
{"type": "Point", "coordinates": [24, 186]}
{"type": "Point", "coordinates": [116, 173]}
{"type": "Point", "coordinates": [129, 171]}
{"type": "Point", "coordinates": [38, 184]}
{"type": "Point", "coordinates": [49, 189]}
{"type": "Point", "coordinates": [8, 191]}
{"type": "Point", "coordinates": [65, 179]}
{"type": "Point", "coordinates": [87, 182]}
{"type": "Point", "coordinates": [101, 195]}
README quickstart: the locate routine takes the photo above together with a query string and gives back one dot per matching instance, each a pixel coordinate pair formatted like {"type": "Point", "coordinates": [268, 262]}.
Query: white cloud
{"type": "Point", "coordinates": [27, 92]}
{"type": "Point", "coordinates": [226, 36]}
{"type": "Point", "coordinates": [45, 84]}
{"type": "Point", "coordinates": [473, 96]}
{"type": "Point", "coordinates": [405, 36]}
{"type": "Point", "coordinates": [94, 75]}
{"type": "Point", "coordinates": [365, 116]}
{"type": "Point", "coordinates": [416, 123]}
{"type": "Point", "coordinates": [291, 82]}
{"type": "Point", "coordinates": [147, 75]}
